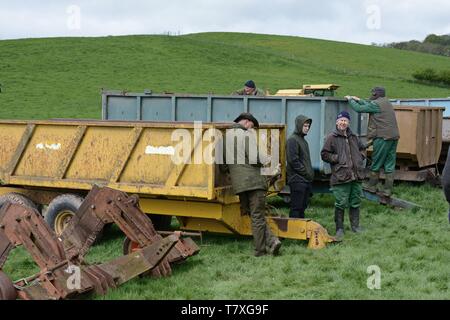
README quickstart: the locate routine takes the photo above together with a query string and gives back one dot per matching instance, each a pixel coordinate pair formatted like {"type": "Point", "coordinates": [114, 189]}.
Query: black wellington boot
{"type": "Point", "coordinates": [354, 220]}
{"type": "Point", "coordinates": [339, 220]}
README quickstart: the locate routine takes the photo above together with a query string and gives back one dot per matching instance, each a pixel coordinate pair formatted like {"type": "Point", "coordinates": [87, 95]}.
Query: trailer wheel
{"type": "Point", "coordinates": [7, 290]}
{"type": "Point", "coordinates": [129, 246]}
{"type": "Point", "coordinates": [18, 198]}
{"type": "Point", "coordinates": [61, 210]}
{"type": "Point", "coordinates": [160, 223]}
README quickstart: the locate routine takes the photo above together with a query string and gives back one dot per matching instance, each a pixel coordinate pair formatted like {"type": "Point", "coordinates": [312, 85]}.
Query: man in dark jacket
{"type": "Point", "coordinates": [249, 184]}
{"type": "Point", "coordinates": [249, 89]}
{"type": "Point", "coordinates": [383, 132]}
{"type": "Point", "coordinates": [345, 153]}
{"type": "Point", "coordinates": [300, 173]}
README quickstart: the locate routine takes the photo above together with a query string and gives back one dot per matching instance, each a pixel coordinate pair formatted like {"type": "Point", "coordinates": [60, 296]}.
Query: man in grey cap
{"type": "Point", "coordinates": [250, 185]}
{"type": "Point", "coordinates": [383, 132]}
{"type": "Point", "coordinates": [249, 89]}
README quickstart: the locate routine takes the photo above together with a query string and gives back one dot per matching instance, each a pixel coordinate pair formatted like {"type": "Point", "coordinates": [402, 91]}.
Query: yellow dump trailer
{"type": "Point", "coordinates": [170, 165]}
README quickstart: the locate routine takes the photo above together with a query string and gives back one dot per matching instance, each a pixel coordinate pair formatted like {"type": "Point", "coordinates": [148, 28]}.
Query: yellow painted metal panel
{"type": "Point", "coordinates": [100, 150]}
{"type": "Point", "coordinates": [146, 165]}
{"type": "Point", "coordinates": [196, 174]}
{"type": "Point", "coordinates": [87, 185]}
{"type": "Point", "coordinates": [133, 157]}
{"type": "Point", "coordinates": [10, 137]}
{"type": "Point", "coordinates": [204, 225]}
{"type": "Point", "coordinates": [321, 86]}
{"type": "Point", "coordinates": [46, 150]}
{"type": "Point", "coordinates": [208, 210]}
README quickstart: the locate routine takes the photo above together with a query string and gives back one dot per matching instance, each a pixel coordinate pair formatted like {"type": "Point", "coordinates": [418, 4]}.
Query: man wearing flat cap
{"type": "Point", "coordinates": [249, 89]}
{"type": "Point", "coordinates": [345, 153]}
{"type": "Point", "coordinates": [248, 182]}
{"type": "Point", "coordinates": [383, 131]}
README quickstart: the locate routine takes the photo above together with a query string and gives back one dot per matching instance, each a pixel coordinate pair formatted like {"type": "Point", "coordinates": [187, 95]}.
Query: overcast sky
{"type": "Point", "coordinates": [359, 21]}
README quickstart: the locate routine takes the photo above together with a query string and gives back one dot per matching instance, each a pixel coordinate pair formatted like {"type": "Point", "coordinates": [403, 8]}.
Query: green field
{"type": "Point", "coordinates": [62, 77]}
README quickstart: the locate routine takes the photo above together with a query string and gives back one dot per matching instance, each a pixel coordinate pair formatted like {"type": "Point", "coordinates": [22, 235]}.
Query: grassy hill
{"type": "Point", "coordinates": [62, 77]}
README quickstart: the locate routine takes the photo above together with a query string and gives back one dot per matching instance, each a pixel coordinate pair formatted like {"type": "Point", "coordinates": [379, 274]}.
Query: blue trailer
{"type": "Point", "coordinates": [119, 105]}
{"type": "Point", "coordinates": [426, 102]}
{"type": "Point", "coordinates": [147, 106]}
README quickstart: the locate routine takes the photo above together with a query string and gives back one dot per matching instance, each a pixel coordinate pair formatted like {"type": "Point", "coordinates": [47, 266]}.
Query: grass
{"type": "Point", "coordinates": [62, 77]}
{"type": "Point", "coordinates": [411, 247]}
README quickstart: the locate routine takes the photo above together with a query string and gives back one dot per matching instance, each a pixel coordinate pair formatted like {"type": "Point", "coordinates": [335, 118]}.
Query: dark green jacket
{"type": "Point", "coordinates": [257, 92]}
{"type": "Point", "coordinates": [382, 121]}
{"type": "Point", "coordinates": [346, 156]}
{"type": "Point", "coordinates": [297, 154]}
{"type": "Point", "coordinates": [244, 176]}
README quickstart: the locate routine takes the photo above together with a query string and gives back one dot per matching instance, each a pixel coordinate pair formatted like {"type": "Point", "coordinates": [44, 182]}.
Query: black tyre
{"type": "Point", "coordinates": [61, 210]}
{"type": "Point", "coordinates": [16, 198]}
{"type": "Point", "coordinates": [161, 222]}
{"type": "Point", "coordinates": [128, 246]}
{"type": "Point", "coordinates": [287, 198]}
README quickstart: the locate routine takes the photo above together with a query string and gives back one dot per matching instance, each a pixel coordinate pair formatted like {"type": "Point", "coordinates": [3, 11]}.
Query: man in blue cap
{"type": "Point", "coordinates": [382, 131]}
{"type": "Point", "coordinates": [249, 89]}
{"type": "Point", "coordinates": [345, 153]}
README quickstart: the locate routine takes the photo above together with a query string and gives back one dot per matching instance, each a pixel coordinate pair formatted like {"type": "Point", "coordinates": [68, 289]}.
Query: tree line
{"type": "Point", "coordinates": [432, 44]}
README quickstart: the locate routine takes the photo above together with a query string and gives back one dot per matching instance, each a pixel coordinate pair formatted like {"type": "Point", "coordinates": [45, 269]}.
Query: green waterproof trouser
{"type": "Point", "coordinates": [347, 194]}
{"type": "Point", "coordinates": [384, 155]}
{"type": "Point", "coordinates": [254, 203]}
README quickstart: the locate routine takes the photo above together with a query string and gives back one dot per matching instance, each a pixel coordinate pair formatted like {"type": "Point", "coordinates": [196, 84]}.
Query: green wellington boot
{"type": "Point", "coordinates": [388, 185]}
{"type": "Point", "coordinates": [371, 185]}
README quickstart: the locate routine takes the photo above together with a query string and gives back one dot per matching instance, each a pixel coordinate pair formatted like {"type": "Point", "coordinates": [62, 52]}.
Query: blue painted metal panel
{"type": "Point", "coordinates": [157, 108]}
{"type": "Point", "coordinates": [190, 109]}
{"type": "Point", "coordinates": [311, 109]}
{"type": "Point", "coordinates": [121, 108]}
{"type": "Point", "coordinates": [226, 109]}
{"type": "Point", "coordinates": [284, 110]}
{"type": "Point", "coordinates": [442, 103]}
{"type": "Point", "coordinates": [265, 110]}
{"type": "Point", "coordinates": [432, 102]}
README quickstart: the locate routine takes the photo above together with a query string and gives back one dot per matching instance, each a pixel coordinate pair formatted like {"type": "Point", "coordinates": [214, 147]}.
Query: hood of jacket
{"type": "Point", "coordinates": [299, 122]}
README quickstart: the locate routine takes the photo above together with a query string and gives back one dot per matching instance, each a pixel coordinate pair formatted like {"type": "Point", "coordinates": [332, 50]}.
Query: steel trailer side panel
{"type": "Point", "coordinates": [431, 102]}
{"type": "Point", "coordinates": [420, 130]}
{"type": "Point", "coordinates": [134, 157]}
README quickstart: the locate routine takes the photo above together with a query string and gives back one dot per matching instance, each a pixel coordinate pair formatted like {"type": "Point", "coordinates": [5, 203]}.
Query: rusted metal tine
{"type": "Point", "coordinates": [103, 205]}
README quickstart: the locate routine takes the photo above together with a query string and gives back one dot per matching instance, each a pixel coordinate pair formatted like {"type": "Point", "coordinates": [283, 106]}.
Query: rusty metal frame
{"type": "Point", "coordinates": [20, 225]}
